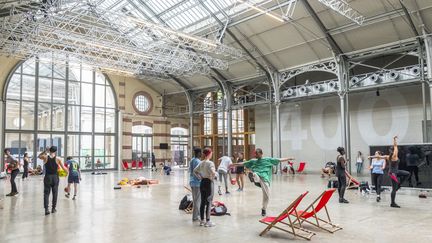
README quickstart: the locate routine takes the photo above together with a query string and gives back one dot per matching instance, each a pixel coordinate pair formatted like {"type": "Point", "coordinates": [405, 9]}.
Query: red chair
{"type": "Point", "coordinates": [315, 207]}
{"type": "Point", "coordinates": [125, 165]}
{"type": "Point", "coordinates": [291, 229]}
{"type": "Point", "coordinates": [134, 165]}
{"type": "Point", "coordinates": [301, 167]}
{"type": "Point", "coordinates": [140, 165]}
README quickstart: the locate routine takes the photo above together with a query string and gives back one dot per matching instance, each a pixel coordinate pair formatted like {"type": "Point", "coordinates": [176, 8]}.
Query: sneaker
{"type": "Point", "coordinates": [202, 223]}
{"type": "Point", "coordinates": [378, 199]}
{"type": "Point", "coordinates": [74, 197]}
{"type": "Point", "coordinates": [47, 212]}
{"type": "Point", "coordinates": [239, 190]}
{"type": "Point", "coordinates": [10, 194]}
{"type": "Point", "coordinates": [263, 212]}
{"type": "Point", "coordinates": [342, 200]}
{"type": "Point", "coordinates": [227, 192]}
{"type": "Point", "coordinates": [53, 210]}
{"type": "Point", "coordinates": [67, 195]}
{"type": "Point", "coordinates": [209, 224]}
{"type": "Point", "coordinates": [394, 205]}
{"type": "Point", "coordinates": [220, 192]}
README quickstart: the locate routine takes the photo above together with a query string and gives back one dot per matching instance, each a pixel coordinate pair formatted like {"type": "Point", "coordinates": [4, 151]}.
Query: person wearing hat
{"type": "Point", "coordinates": [51, 179]}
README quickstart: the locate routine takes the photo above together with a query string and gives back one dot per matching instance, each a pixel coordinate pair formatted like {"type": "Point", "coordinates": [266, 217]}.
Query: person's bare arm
{"type": "Point", "coordinates": [286, 159]}
{"type": "Point", "coordinates": [395, 149]}
{"type": "Point", "coordinates": [384, 165]}
{"type": "Point", "coordinates": [43, 156]}
{"type": "Point", "coordinates": [59, 162]}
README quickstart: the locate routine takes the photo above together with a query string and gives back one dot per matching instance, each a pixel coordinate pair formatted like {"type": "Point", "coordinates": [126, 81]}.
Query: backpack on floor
{"type": "Point", "coordinates": [333, 184]}
{"type": "Point", "coordinates": [364, 186]}
{"type": "Point", "coordinates": [219, 209]}
{"type": "Point", "coordinates": [186, 202]}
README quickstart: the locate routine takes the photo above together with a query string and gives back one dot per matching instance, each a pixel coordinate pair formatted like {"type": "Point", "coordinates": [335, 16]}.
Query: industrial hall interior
{"type": "Point", "coordinates": [215, 121]}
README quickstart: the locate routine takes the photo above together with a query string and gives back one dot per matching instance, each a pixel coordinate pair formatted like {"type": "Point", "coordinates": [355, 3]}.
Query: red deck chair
{"type": "Point", "coordinates": [315, 207]}
{"type": "Point", "coordinates": [301, 167]}
{"type": "Point", "coordinates": [352, 183]}
{"type": "Point", "coordinates": [140, 165]}
{"type": "Point", "coordinates": [134, 165]}
{"type": "Point", "coordinates": [292, 228]}
{"type": "Point", "coordinates": [125, 165]}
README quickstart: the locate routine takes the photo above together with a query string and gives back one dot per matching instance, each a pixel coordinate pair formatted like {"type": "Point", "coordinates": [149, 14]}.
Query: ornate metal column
{"type": "Point", "coordinates": [342, 74]}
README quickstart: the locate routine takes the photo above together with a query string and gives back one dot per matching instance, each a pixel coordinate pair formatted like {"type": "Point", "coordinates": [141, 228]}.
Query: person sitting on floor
{"type": "Point", "coordinates": [329, 169]}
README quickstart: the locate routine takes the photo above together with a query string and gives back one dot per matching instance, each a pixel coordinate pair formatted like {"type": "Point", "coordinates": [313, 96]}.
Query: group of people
{"type": "Point", "coordinates": [203, 173]}
{"type": "Point", "coordinates": [52, 165]}
{"type": "Point", "coordinates": [377, 167]}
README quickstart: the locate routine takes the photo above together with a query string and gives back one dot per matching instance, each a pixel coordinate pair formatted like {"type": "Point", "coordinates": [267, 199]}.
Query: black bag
{"type": "Point", "coordinates": [333, 184]}
{"type": "Point", "coordinates": [219, 209]}
{"type": "Point", "coordinates": [186, 202]}
{"type": "Point", "coordinates": [364, 186]}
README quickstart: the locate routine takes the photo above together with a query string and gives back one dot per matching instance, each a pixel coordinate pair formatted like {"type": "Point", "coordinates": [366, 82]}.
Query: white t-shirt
{"type": "Point", "coordinates": [225, 163]}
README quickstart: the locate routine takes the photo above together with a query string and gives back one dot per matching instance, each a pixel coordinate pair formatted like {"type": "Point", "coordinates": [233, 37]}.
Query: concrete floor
{"type": "Point", "coordinates": [150, 214]}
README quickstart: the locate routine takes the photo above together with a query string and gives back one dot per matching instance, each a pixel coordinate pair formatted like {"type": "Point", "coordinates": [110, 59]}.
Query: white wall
{"type": "Point", "coordinates": [311, 129]}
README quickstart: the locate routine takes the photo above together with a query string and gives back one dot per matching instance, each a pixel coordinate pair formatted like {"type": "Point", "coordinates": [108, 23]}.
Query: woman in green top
{"type": "Point", "coordinates": [262, 169]}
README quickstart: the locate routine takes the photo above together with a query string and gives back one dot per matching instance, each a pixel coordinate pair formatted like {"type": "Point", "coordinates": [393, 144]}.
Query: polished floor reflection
{"type": "Point", "coordinates": [150, 214]}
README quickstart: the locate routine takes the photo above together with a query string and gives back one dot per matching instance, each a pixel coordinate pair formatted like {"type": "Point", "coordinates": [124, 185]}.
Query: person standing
{"type": "Point", "coordinates": [153, 160]}
{"type": "Point", "coordinates": [26, 166]}
{"type": "Point", "coordinates": [240, 173]}
{"type": "Point", "coordinates": [13, 166]}
{"type": "Point", "coordinates": [359, 162]}
{"type": "Point", "coordinates": [261, 174]}
{"type": "Point", "coordinates": [340, 173]}
{"type": "Point", "coordinates": [74, 176]}
{"type": "Point", "coordinates": [206, 171]}
{"type": "Point", "coordinates": [51, 179]}
{"type": "Point", "coordinates": [397, 176]}
{"type": "Point", "coordinates": [195, 183]}
{"type": "Point", "coordinates": [377, 167]}
{"type": "Point", "coordinates": [412, 159]}
{"type": "Point", "coordinates": [223, 171]}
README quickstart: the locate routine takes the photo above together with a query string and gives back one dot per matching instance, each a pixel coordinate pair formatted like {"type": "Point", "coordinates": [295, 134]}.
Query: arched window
{"type": "Point", "coordinates": [142, 129]}
{"type": "Point", "coordinates": [68, 105]}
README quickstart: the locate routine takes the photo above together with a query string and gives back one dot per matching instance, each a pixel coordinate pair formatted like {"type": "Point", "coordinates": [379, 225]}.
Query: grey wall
{"type": "Point", "coordinates": [311, 129]}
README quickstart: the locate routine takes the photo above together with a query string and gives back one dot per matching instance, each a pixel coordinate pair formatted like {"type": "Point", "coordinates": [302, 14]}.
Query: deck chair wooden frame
{"type": "Point", "coordinates": [352, 183]}
{"type": "Point", "coordinates": [316, 206]}
{"type": "Point", "coordinates": [292, 228]}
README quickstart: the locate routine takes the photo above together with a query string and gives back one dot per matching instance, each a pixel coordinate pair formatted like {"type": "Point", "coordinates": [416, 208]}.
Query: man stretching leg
{"type": "Point", "coordinates": [262, 169]}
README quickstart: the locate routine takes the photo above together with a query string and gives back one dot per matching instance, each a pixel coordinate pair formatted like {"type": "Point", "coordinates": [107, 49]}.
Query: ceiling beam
{"type": "Point", "coordinates": [335, 47]}
{"type": "Point", "coordinates": [231, 34]}
{"type": "Point", "coordinates": [410, 20]}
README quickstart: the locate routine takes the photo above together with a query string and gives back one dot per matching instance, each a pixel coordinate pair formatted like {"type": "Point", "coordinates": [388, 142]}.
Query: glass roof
{"type": "Point", "coordinates": [189, 16]}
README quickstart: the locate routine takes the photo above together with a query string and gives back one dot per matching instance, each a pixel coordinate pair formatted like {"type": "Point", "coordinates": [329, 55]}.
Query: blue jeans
{"type": "Point", "coordinates": [359, 167]}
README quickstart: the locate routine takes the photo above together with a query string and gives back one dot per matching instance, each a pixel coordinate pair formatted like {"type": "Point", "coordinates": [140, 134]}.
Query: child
{"type": "Point", "coordinates": [74, 176]}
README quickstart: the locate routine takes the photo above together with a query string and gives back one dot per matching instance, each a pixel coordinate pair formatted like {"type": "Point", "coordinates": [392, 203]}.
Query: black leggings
{"type": "Point", "coordinates": [401, 176]}
{"type": "Point", "coordinates": [14, 174]}
{"type": "Point", "coordinates": [51, 183]}
{"type": "Point", "coordinates": [413, 170]}
{"type": "Point", "coordinates": [341, 185]}
{"type": "Point", "coordinates": [25, 174]}
{"type": "Point", "coordinates": [206, 189]}
{"type": "Point", "coordinates": [377, 180]}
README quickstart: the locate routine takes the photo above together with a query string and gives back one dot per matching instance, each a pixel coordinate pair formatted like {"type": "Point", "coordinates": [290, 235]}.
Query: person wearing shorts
{"type": "Point", "coordinates": [240, 173]}
{"type": "Point", "coordinates": [74, 176]}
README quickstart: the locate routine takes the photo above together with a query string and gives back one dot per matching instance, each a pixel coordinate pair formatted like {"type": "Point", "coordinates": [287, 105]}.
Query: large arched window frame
{"type": "Point", "coordinates": [64, 104]}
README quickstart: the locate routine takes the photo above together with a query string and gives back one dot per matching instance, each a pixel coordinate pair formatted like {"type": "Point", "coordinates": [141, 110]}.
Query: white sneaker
{"type": "Point", "coordinates": [209, 224]}
{"type": "Point", "coordinates": [202, 223]}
